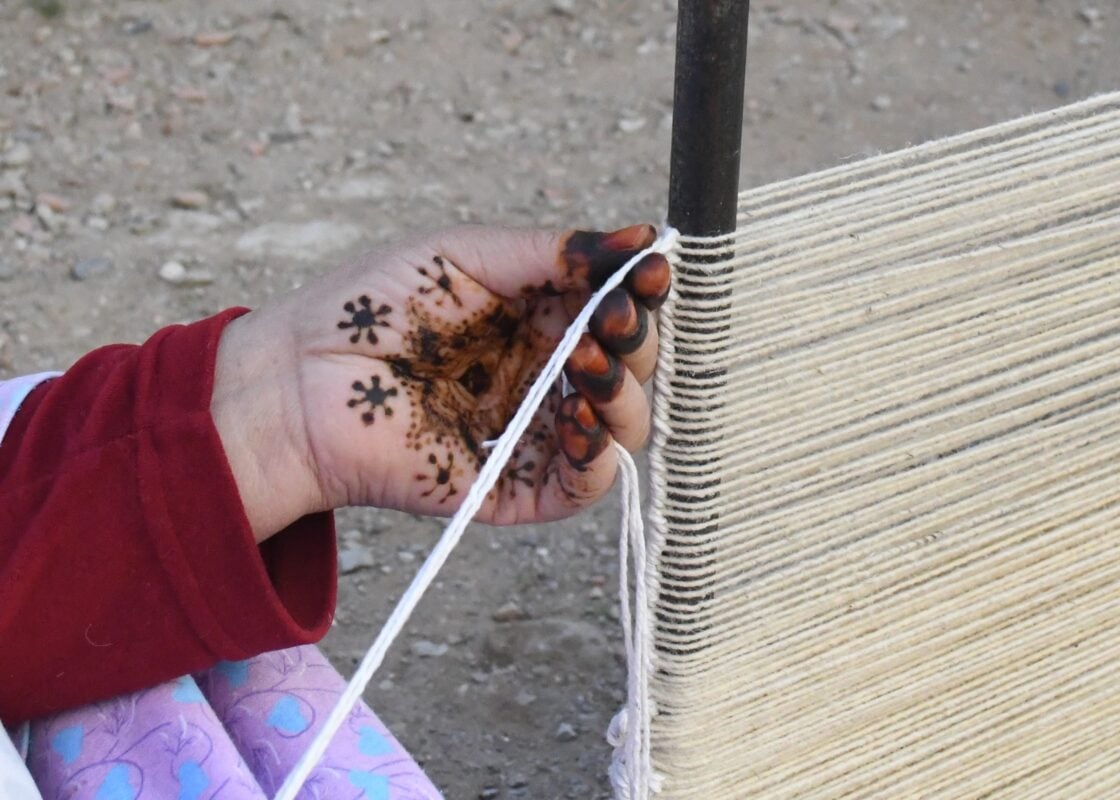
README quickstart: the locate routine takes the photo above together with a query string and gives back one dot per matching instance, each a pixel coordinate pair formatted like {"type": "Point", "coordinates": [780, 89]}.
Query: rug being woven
{"type": "Point", "coordinates": [886, 557]}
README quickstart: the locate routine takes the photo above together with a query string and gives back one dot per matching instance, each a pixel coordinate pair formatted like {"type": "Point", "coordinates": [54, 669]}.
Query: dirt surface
{"type": "Point", "coordinates": [254, 144]}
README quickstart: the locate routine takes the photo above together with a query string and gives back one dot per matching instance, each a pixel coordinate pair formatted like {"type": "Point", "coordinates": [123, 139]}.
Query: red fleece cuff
{"type": "Point", "coordinates": [239, 604]}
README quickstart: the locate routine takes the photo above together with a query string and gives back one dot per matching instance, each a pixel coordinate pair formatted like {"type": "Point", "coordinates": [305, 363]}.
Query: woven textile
{"type": "Point", "coordinates": [885, 556]}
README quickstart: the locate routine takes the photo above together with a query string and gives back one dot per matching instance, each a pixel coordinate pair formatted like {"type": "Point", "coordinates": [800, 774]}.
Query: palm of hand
{"type": "Point", "coordinates": [429, 360]}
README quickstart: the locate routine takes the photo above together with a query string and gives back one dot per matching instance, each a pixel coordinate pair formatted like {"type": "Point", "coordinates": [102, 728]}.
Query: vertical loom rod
{"type": "Point", "coordinates": [707, 115]}
{"type": "Point", "coordinates": [703, 201]}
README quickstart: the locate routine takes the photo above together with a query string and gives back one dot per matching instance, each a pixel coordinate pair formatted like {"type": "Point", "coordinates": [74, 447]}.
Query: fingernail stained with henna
{"type": "Point", "coordinates": [589, 257]}
{"type": "Point", "coordinates": [650, 279]}
{"type": "Point", "coordinates": [582, 435]}
{"type": "Point", "coordinates": [594, 372]}
{"type": "Point", "coordinates": [620, 323]}
{"type": "Point", "coordinates": [364, 318]}
{"type": "Point", "coordinates": [376, 396]}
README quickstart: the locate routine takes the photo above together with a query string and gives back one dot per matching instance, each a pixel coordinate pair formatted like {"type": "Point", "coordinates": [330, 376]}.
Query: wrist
{"type": "Point", "coordinates": [257, 412]}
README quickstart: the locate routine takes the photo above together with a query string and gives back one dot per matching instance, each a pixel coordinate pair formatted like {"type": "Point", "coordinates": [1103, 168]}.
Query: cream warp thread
{"type": "Point", "coordinates": [906, 582]}
{"type": "Point", "coordinates": [472, 502]}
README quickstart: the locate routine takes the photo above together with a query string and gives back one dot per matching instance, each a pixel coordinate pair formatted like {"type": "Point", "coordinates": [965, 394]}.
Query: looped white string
{"type": "Point", "coordinates": [631, 772]}
{"type": "Point", "coordinates": [487, 477]}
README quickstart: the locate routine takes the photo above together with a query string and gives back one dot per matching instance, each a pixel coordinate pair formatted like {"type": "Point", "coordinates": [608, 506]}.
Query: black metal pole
{"type": "Point", "coordinates": [707, 115]}
{"type": "Point", "coordinates": [703, 200]}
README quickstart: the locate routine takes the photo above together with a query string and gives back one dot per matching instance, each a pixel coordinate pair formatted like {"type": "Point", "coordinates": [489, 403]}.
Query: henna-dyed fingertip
{"type": "Point", "coordinates": [650, 279]}
{"type": "Point", "coordinates": [581, 433]}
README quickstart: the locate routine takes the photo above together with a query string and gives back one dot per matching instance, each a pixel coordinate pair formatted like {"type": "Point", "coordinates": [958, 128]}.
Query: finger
{"type": "Point", "coordinates": [584, 468]}
{"type": "Point", "coordinates": [513, 262]}
{"type": "Point", "coordinates": [623, 327]}
{"type": "Point", "coordinates": [613, 391]}
{"type": "Point", "coordinates": [649, 280]}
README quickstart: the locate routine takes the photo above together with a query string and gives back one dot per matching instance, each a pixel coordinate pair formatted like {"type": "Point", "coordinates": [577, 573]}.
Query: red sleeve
{"type": "Point", "coordinates": [126, 558]}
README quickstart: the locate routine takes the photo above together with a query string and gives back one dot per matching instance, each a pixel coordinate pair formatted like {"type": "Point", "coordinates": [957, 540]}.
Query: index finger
{"type": "Point", "coordinates": [514, 262]}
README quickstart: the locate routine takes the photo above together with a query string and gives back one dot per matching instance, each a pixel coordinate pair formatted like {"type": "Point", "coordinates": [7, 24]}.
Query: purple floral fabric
{"type": "Point", "coordinates": [231, 733]}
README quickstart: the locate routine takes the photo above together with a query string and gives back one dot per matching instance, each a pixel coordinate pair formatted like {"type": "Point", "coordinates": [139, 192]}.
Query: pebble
{"type": "Point", "coordinates": [97, 223]}
{"type": "Point", "coordinates": [489, 793]}
{"type": "Point", "coordinates": [353, 557]}
{"type": "Point", "coordinates": [566, 732]}
{"type": "Point", "coordinates": [525, 698]}
{"type": "Point", "coordinates": [87, 268]}
{"type": "Point", "coordinates": [23, 225]}
{"type": "Point", "coordinates": [1090, 15]}
{"type": "Point", "coordinates": [510, 612]}
{"type": "Point", "coordinates": [103, 204]}
{"type": "Point", "coordinates": [47, 216]}
{"type": "Point", "coordinates": [881, 102]}
{"type": "Point", "coordinates": [54, 202]}
{"type": "Point", "coordinates": [18, 155]}
{"type": "Point", "coordinates": [178, 275]}
{"type": "Point", "coordinates": [425, 649]}
{"type": "Point", "coordinates": [631, 124]}
{"type": "Point", "coordinates": [192, 200]}
{"type": "Point", "coordinates": [214, 38]}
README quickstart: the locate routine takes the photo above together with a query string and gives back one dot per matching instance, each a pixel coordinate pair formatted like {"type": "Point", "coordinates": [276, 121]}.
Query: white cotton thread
{"type": "Point", "coordinates": [487, 477]}
{"type": "Point", "coordinates": [630, 773]}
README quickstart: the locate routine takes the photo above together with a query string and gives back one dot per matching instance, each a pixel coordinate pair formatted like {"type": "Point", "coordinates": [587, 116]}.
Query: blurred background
{"type": "Point", "coordinates": [161, 161]}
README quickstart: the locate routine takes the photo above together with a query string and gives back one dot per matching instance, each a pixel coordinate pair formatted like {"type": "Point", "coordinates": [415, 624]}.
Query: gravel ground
{"type": "Point", "coordinates": [161, 161]}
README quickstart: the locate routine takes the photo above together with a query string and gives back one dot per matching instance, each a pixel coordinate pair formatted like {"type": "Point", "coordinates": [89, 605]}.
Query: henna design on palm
{"type": "Point", "coordinates": [364, 318]}
{"type": "Point", "coordinates": [375, 396]}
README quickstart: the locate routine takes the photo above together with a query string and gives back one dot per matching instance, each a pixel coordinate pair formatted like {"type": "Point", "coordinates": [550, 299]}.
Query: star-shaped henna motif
{"type": "Point", "coordinates": [363, 317]}
{"type": "Point", "coordinates": [441, 478]}
{"type": "Point", "coordinates": [376, 396]}
{"type": "Point", "coordinates": [442, 281]}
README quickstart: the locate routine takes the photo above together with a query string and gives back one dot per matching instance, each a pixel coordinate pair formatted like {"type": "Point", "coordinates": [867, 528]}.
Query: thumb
{"type": "Point", "coordinates": [512, 262]}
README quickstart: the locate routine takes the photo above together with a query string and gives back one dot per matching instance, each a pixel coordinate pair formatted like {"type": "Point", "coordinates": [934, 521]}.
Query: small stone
{"type": "Point", "coordinates": [190, 94]}
{"type": "Point", "coordinates": [1090, 15]}
{"type": "Point", "coordinates": [354, 557]}
{"type": "Point", "coordinates": [425, 649]}
{"type": "Point", "coordinates": [46, 216]}
{"type": "Point", "coordinates": [103, 204]}
{"type": "Point", "coordinates": [379, 36]}
{"type": "Point", "coordinates": [97, 223]}
{"type": "Point", "coordinates": [509, 612]}
{"type": "Point", "coordinates": [565, 8]}
{"type": "Point", "coordinates": [489, 793]}
{"type": "Point", "coordinates": [87, 268]}
{"type": "Point", "coordinates": [1062, 89]}
{"type": "Point", "coordinates": [565, 732]}
{"type": "Point", "coordinates": [525, 698]}
{"type": "Point", "coordinates": [631, 124]}
{"type": "Point", "coordinates": [517, 781]}
{"type": "Point", "coordinates": [214, 38]}
{"type": "Point", "coordinates": [191, 199]}
{"type": "Point", "coordinates": [23, 225]}
{"type": "Point", "coordinates": [178, 275]}
{"type": "Point", "coordinates": [134, 26]}
{"type": "Point", "coordinates": [881, 102]}
{"type": "Point", "coordinates": [18, 155]}
{"type": "Point", "coordinates": [56, 203]}
{"type": "Point", "coordinates": [406, 556]}
{"type": "Point", "coordinates": [173, 272]}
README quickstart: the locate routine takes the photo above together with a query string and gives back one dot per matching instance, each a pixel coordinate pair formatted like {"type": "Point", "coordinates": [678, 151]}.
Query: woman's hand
{"type": "Point", "coordinates": [379, 383]}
